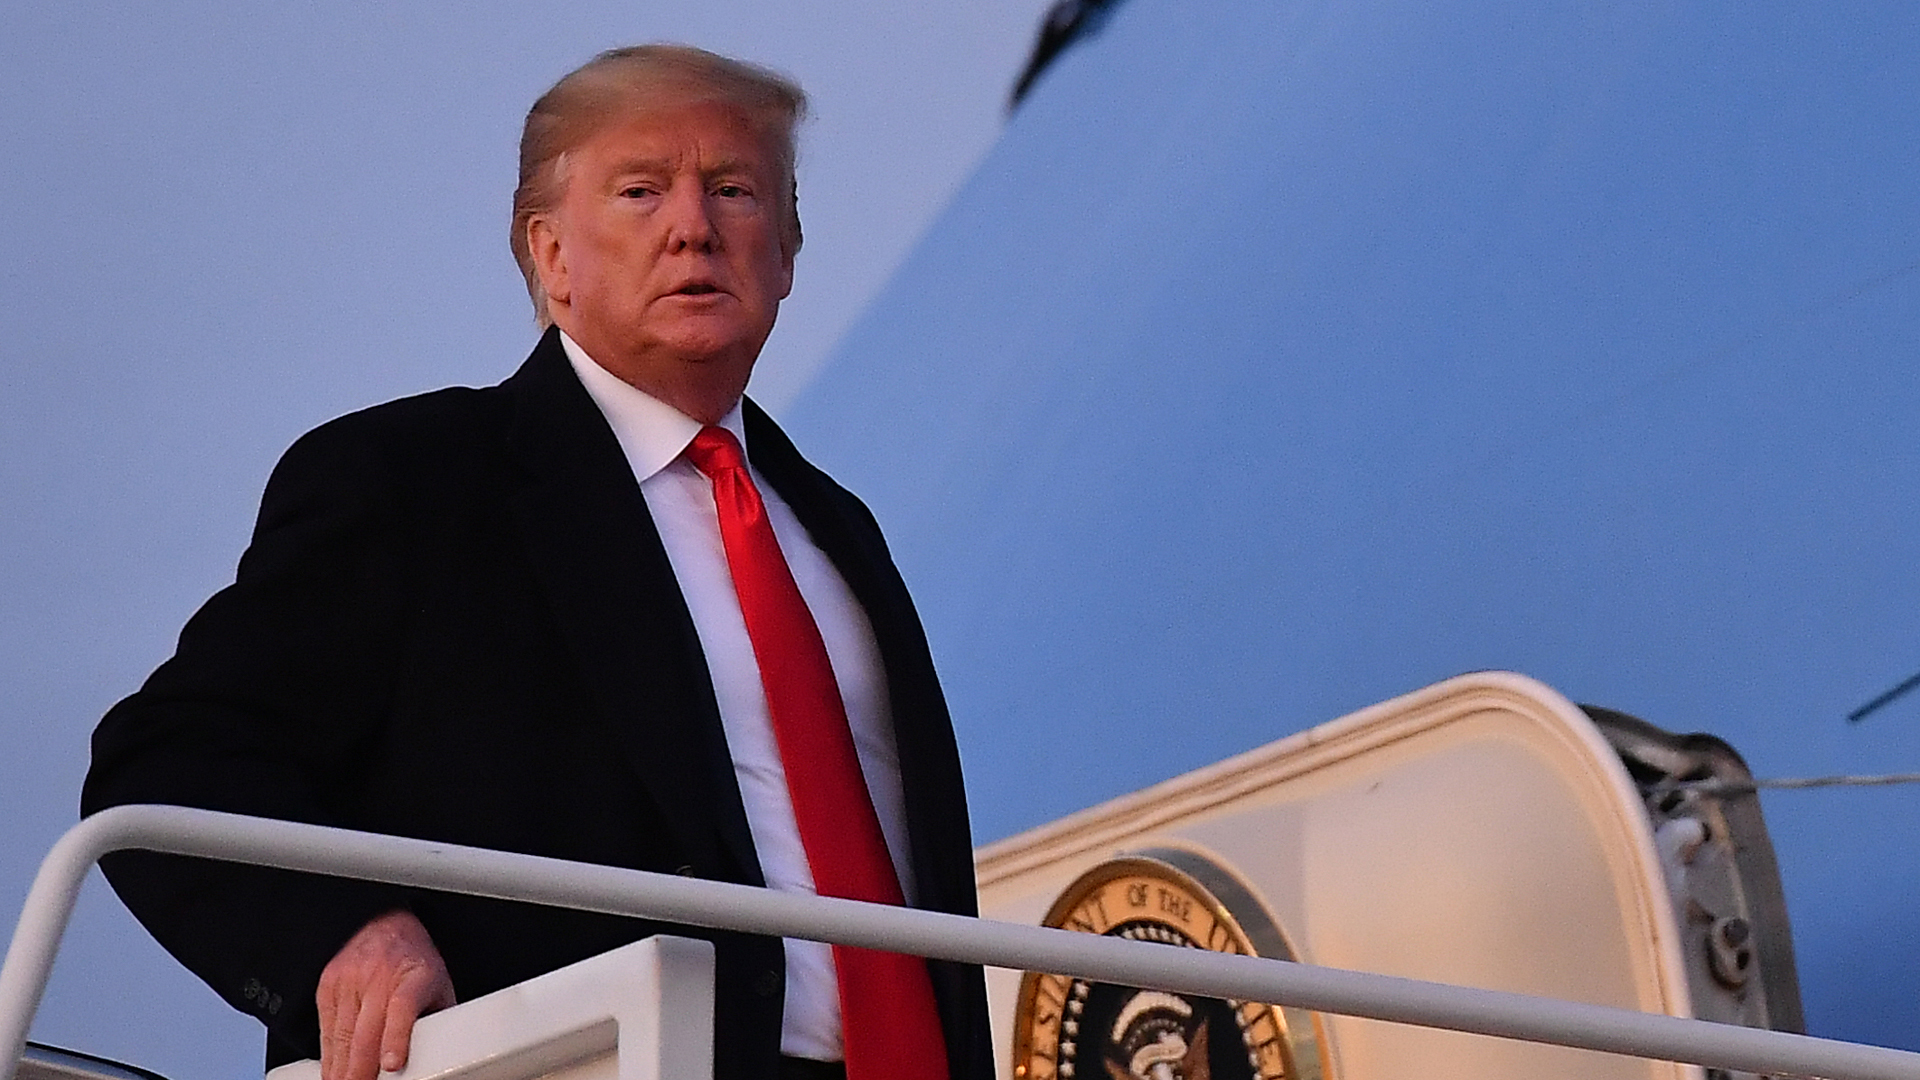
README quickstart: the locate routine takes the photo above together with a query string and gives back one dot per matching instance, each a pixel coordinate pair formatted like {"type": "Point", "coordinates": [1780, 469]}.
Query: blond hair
{"type": "Point", "coordinates": [620, 82]}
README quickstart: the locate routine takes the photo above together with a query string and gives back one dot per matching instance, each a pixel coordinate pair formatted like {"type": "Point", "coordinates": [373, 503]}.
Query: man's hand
{"type": "Point", "coordinates": [382, 980]}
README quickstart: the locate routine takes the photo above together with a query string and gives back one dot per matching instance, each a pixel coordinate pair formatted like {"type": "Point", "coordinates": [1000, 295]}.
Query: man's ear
{"type": "Point", "coordinates": [786, 263]}
{"type": "Point", "coordinates": [549, 258]}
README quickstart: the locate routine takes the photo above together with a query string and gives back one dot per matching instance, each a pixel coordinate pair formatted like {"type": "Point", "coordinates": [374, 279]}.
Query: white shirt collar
{"type": "Point", "coordinates": [651, 432]}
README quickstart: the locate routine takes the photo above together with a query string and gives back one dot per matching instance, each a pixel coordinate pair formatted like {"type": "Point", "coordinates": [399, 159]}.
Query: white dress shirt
{"type": "Point", "coordinates": [654, 435]}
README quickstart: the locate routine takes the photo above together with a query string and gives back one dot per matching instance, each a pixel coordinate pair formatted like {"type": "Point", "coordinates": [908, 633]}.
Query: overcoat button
{"type": "Point", "coordinates": [768, 984]}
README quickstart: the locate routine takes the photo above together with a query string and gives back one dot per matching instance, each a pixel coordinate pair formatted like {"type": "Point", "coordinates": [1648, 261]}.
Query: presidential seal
{"type": "Point", "coordinates": [1072, 1029]}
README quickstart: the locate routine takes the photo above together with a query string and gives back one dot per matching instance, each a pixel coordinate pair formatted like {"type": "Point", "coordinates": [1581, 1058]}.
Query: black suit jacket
{"type": "Point", "coordinates": [456, 621]}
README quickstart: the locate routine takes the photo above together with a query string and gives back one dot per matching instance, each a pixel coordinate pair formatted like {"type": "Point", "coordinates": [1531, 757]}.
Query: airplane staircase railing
{"type": "Point", "coordinates": [719, 905]}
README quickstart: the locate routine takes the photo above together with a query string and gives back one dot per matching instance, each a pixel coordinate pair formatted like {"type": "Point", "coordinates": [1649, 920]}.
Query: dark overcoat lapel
{"type": "Point", "coordinates": [598, 557]}
{"type": "Point", "coordinates": [840, 526]}
{"type": "Point", "coordinates": [937, 829]}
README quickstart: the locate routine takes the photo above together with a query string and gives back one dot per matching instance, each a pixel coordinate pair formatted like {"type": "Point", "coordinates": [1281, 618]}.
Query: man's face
{"type": "Point", "coordinates": [664, 257]}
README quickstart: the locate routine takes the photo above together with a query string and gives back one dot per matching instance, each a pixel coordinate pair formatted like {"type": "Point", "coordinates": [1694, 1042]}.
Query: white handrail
{"type": "Point", "coordinates": [719, 905]}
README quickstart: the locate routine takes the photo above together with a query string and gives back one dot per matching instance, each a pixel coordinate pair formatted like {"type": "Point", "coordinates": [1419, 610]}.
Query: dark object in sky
{"type": "Point", "coordinates": [1887, 698]}
{"type": "Point", "coordinates": [1065, 21]}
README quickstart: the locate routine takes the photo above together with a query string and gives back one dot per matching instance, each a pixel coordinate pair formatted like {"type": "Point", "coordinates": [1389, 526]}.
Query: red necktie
{"type": "Point", "coordinates": [891, 1027]}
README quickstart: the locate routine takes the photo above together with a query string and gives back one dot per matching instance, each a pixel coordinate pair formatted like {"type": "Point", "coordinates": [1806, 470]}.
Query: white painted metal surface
{"type": "Point", "coordinates": [425, 864]}
{"type": "Point", "coordinates": [621, 1015]}
{"type": "Point", "coordinates": [1477, 832]}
